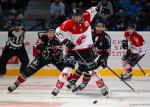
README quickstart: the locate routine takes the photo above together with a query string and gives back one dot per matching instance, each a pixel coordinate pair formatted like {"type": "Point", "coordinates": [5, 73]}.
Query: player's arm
{"type": "Point", "coordinates": [105, 48]}
{"type": "Point", "coordinates": [125, 41]}
{"type": "Point", "coordinates": [41, 43]}
{"type": "Point", "coordinates": [62, 35]}
{"type": "Point", "coordinates": [93, 11]}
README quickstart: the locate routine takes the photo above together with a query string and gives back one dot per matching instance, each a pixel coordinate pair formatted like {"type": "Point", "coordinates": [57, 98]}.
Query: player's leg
{"type": "Point", "coordinates": [23, 57]}
{"type": "Point", "coordinates": [100, 83]}
{"type": "Point", "coordinates": [60, 66]}
{"type": "Point", "coordinates": [89, 57]}
{"type": "Point", "coordinates": [35, 65]}
{"type": "Point", "coordinates": [69, 65]}
{"type": "Point", "coordinates": [127, 74]}
{"type": "Point", "coordinates": [127, 61]}
{"type": "Point", "coordinates": [85, 80]}
{"type": "Point", "coordinates": [130, 59]}
{"type": "Point", "coordinates": [6, 55]}
{"type": "Point", "coordinates": [73, 78]}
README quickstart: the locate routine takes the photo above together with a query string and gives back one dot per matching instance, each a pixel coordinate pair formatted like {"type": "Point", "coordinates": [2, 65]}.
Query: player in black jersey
{"type": "Point", "coordinates": [49, 52]}
{"type": "Point", "coordinates": [15, 46]}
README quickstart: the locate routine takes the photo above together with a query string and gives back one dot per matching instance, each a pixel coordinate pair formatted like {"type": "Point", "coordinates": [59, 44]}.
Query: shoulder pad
{"type": "Point", "coordinates": [65, 26]}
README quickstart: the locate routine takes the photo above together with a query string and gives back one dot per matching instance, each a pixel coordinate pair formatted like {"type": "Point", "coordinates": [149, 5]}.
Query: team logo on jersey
{"type": "Point", "coordinates": [136, 40]}
{"type": "Point", "coordinates": [80, 40]}
{"type": "Point", "coordinates": [86, 23]}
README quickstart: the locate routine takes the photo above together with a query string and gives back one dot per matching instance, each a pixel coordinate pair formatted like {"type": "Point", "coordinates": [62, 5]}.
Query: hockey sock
{"type": "Point", "coordinates": [63, 77]}
{"type": "Point", "coordinates": [129, 70]}
{"type": "Point", "coordinates": [21, 79]}
{"type": "Point", "coordinates": [74, 77]}
{"type": "Point", "coordinates": [59, 84]}
{"type": "Point", "coordinates": [86, 78]}
{"type": "Point", "coordinates": [100, 83]}
{"type": "Point", "coordinates": [77, 76]}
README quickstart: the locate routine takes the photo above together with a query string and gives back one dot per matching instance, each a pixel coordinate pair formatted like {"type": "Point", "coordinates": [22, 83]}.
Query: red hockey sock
{"type": "Point", "coordinates": [76, 76]}
{"type": "Point", "coordinates": [100, 83]}
{"type": "Point", "coordinates": [129, 70]}
{"type": "Point", "coordinates": [21, 79]}
{"type": "Point", "coordinates": [70, 77]}
{"type": "Point", "coordinates": [59, 84]}
{"type": "Point", "coordinates": [86, 79]}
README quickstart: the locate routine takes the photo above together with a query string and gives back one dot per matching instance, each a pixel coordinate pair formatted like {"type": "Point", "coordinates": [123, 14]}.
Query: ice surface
{"type": "Point", "coordinates": [36, 92]}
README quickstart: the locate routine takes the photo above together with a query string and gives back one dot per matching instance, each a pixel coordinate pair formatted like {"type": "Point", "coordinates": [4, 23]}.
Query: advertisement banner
{"type": "Point", "coordinates": [114, 59]}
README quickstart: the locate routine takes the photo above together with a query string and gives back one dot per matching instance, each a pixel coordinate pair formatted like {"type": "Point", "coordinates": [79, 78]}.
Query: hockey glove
{"type": "Point", "coordinates": [102, 61]}
{"type": "Point", "coordinates": [92, 66]}
{"type": "Point", "coordinates": [125, 44]}
{"type": "Point", "coordinates": [40, 48]}
{"type": "Point", "coordinates": [69, 44]}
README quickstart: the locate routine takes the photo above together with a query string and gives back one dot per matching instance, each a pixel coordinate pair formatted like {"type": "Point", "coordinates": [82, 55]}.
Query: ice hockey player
{"type": "Point", "coordinates": [102, 43]}
{"type": "Point", "coordinates": [49, 51]}
{"type": "Point", "coordinates": [15, 46]}
{"type": "Point", "coordinates": [134, 44]}
{"type": "Point", "coordinates": [75, 34]}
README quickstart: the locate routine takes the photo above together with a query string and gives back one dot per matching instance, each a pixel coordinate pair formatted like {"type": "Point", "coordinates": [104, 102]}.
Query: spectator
{"type": "Point", "coordinates": [5, 6]}
{"type": "Point", "coordinates": [123, 4]}
{"type": "Point", "coordinates": [106, 7]}
{"type": "Point", "coordinates": [57, 11]}
{"type": "Point", "coordinates": [146, 9]}
{"type": "Point", "coordinates": [134, 7]}
{"type": "Point", "coordinates": [16, 7]}
{"type": "Point", "coordinates": [10, 20]}
{"type": "Point", "coordinates": [70, 8]}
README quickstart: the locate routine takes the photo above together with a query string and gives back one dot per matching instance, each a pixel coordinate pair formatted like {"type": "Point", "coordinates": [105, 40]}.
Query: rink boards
{"type": "Point", "coordinates": [114, 60]}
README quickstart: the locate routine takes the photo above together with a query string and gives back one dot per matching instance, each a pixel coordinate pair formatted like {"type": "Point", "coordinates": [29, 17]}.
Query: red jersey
{"type": "Point", "coordinates": [79, 34]}
{"type": "Point", "coordinates": [134, 39]}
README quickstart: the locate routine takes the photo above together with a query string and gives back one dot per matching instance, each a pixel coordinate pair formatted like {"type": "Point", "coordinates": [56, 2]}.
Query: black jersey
{"type": "Point", "coordinates": [102, 42]}
{"type": "Point", "coordinates": [50, 48]}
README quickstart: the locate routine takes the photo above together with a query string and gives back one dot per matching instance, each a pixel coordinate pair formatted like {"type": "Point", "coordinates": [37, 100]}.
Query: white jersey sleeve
{"type": "Point", "coordinates": [92, 12]}
{"type": "Point", "coordinates": [61, 35]}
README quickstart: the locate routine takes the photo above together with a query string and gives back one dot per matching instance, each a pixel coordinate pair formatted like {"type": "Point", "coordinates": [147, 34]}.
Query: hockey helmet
{"type": "Point", "coordinates": [77, 12]}
{"type": "Point", "coordinates": [50, 28]}
{"type": "Point", "coordinates": [18, 23]}
{"type": "Point", "coordinates": [133, 26]}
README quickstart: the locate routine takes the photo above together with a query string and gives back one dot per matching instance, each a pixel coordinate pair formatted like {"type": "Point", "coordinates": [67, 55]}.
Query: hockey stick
{"type": "Point", "coordinates": [107, 67]}
{"type": "Point", "coordinates": [87, 64]}
{"type": "Point", "coordinates": [121, 79]}
{"type": "Point", "coordinates": [141, 69]}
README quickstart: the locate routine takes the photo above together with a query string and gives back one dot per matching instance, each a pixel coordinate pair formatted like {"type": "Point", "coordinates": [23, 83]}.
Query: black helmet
{"type": "Point", "coordinates": [131, 25]}
{"type": "Point", "coordinates": [18, 23]}
{"type": "Point", "coordinates": [50, 28]}
{"type": "Point", "coordinates": [77, 12]}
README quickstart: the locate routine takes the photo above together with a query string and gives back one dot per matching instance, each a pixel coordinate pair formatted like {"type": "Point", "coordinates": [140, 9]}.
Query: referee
{"type": "Point", "coordinates": [14, 47]}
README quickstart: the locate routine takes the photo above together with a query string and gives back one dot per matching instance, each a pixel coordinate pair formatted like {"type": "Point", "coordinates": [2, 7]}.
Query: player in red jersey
{"type": "Point", "coordinates": [135, 50]}
{"type": "Point", "coordinates": [102, 46]}
{"type": "Point", "coordinates": [76, 35]}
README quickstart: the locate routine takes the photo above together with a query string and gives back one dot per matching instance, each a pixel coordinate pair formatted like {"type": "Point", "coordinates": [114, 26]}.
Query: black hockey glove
{"type": "Point", "coordinates": [102, 61]}
{"type": "Point", "coordinates": [125, 44]}
{"type": "Point", "coordinates": [40, 48]}
{"type": "Point", "coordinates": [69, 44]}
{"type": "Point", "coordinates": [92, 66]}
